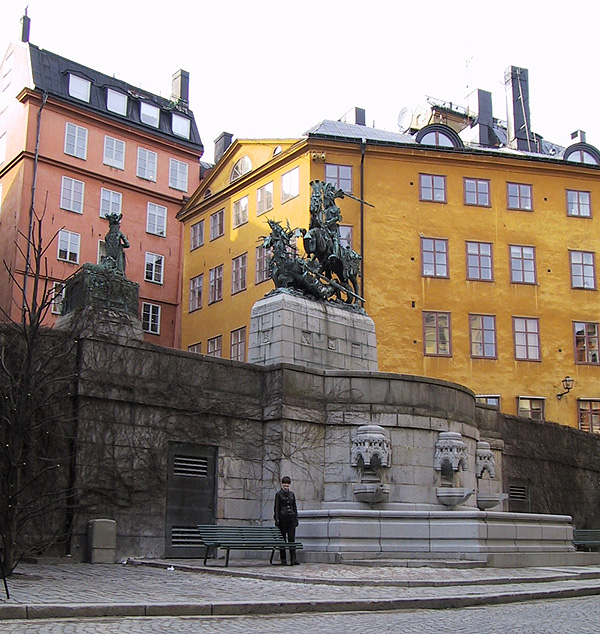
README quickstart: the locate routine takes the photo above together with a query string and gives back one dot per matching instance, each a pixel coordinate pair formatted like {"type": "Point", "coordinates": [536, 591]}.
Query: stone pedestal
{"type": "Point", "coordinates": [286, 328]}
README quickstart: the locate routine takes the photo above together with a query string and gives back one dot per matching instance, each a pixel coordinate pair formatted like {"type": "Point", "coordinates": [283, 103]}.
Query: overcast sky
{"type": "Point", "coordinates": [273, 69]}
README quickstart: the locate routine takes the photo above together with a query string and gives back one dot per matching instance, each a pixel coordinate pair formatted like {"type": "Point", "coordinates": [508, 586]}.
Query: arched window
{"type": "Point", "coordinates": [438, 135]}
{"type": "Point", "coordinates": [277, 150]}
{"type": "Point", "coordinates": [582, 153]}
{"type": "Point", "coordinates": [243, 166]}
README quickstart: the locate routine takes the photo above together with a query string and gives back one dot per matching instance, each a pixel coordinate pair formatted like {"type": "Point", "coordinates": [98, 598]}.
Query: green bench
{"type": "Point", "coordinates": [243, 538]}
{"type": "Point", "coordinates": [586, 539]}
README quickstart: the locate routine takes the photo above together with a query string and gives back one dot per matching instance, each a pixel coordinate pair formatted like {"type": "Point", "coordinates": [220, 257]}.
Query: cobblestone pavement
{"type": "Point", "coordinates": [564, 616]}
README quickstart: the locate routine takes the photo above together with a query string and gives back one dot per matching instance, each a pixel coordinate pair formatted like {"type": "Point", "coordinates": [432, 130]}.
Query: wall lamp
{"type": "Point", "coordinates": [567, 383]}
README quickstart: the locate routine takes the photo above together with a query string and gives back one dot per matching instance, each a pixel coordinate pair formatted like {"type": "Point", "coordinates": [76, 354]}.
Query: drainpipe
{"type": "Point", "coordinates": [32, 206]}
{"type": "Point", "coordinates": [363, 145]}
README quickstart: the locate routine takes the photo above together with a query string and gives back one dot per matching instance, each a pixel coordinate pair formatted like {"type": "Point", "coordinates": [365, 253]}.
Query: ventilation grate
{"type": "Point", "coordinates": [190, 466]}
{"type": "Point", "coordinates": [186, 537]}
{"type": "Point", "coordinates": [517, 493]}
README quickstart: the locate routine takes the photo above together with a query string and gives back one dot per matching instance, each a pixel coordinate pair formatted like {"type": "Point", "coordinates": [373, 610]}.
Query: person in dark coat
{"type": "Point", "coordinates": [286, 518]}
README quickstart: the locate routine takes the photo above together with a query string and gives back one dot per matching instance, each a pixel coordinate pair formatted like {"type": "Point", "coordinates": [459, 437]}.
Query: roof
{"type": "Point", "coordinates": [51, 75]}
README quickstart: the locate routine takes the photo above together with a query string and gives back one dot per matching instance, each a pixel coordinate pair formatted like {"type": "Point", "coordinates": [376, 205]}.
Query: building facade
{"type": "Point", "coordinates": [75, 145]}
{"type": "Point", "coordinates": [478, 254]}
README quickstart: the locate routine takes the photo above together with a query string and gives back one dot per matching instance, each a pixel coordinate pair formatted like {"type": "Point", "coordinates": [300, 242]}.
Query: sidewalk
{"type": "Point", "coordinates": [185, 587]}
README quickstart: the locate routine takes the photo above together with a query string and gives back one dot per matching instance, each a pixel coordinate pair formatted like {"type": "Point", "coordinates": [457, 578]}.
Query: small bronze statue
{"type": "Point", "coordinates": [116, 243]}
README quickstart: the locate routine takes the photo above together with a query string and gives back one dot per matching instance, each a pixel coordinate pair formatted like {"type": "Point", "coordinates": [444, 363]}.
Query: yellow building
{"type": "Point", "coordinates": [478, 256]}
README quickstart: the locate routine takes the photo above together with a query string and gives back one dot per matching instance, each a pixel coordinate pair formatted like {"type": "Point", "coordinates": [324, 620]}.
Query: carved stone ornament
{"type": "Point", "coordinates": [370, 448]}
{"type": "Point", "coordinates": [450, 448]}
{"type": "Point", "coordinates": [484, 460]}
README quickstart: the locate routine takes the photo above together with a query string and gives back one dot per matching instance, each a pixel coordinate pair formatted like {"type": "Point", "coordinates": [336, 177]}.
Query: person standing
{"type": "Point", "coordinates": [286, 518]}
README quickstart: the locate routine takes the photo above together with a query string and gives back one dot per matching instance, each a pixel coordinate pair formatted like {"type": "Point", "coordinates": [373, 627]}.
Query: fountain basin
{"type": "Point", "coordinates": [453, 496]}
{"type": "Point", "coordinates": [489, 500]}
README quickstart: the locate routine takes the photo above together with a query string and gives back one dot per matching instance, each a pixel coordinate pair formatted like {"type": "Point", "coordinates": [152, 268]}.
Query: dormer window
{"type": "Point", "coordinates": [149, 114]}
{"type": "Point", "coordinates": [79, 88]}
{"type": "Point", "coordinates": [438, 135]}
{"type": "Point", "coordinates": [116, 102]}
{"type": "Point", "coordinates": [582, 153]}
{"type": "Point", "coordinates": [243, 166]}
{"type": "Point", "coordinates": [181, 126]}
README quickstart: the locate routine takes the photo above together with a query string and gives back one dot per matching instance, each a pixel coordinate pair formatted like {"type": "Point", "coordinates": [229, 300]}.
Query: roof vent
{"type": "Point", "coordinates": [520, 136]}
{"type": "Point", "coordinates": [25, 26]}
{"type": "Point", "coordinates": [360, 116]}
{"type": "Point", "coordinates": [222, 142]}
{"type": "Point", "coordinates": [180, 90]}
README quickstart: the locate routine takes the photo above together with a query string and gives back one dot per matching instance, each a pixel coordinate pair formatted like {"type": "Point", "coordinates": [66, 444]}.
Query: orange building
{"type": "Point", "coordinates": [75, 145]}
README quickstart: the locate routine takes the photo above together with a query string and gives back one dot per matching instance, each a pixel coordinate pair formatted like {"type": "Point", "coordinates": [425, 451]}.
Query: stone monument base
{"type": "Point", "coordinates": [287, 328]}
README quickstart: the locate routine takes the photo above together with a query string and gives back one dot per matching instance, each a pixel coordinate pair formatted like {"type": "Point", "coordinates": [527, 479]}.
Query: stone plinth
{"type": "Point", "coordinates": [286, 328]}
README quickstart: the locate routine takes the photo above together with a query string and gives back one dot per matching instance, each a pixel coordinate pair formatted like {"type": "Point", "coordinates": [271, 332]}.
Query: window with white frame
{"type": "Point", "coordinates": [156, 219]}
{"type": "Point", "coordinates": [339, 176]}
{"type": "Point", "coordinates": [58, 296]}
{"type": "Point", "coordinates": [149, 114]}
{"type": "Point", "coordinates": [583, 269]}
{"type": "Point", "coordinates": [241, 167]}
{"type": "Point", "coordinates": [116, 101]}
{"type": "Point", "coordinates": [146, 164]}
{"type": "Point", "coordinates": [586, 342]}
{"type": "Point", "coordinates": [488, 399]}
{"type": "Point", "coordinates": [432, 188]}
{"type": "Point", "coordinates": [238, 345]}
{"type": "Point", "coordinates": [434, 257]}
{"type": "Point", "coordinates": [217, 224]}
{"type": "Point", "coordinates": [519, 196]}
{"type": "Point", "coordinates": [178, 175]}
{"type": "Point", "coordinates": [531, 407]}
{"type": "Point", "coordinates": [346, 236]}
{"type": "Point", "coordinates": [196, 286]}
{"type": "Point", "coordinates": [101, 251]}
{"type": "Point", "coordinates": [151, 318]}
{"type": "Point", "coordinates": [110, 202]}
{"type": "Point", "coordinates": [196, 235]}
{"type": "Point", "coordinates": [578, 203]}
{"type": "Point", "coordinates": [477, 192]}
{"type": "Point", "coordinates": [240, 212]}
{"type": "Point", "coordinates": [114, 152]}
{"type": "Point", "coordinates": [71, 194]}
{"type": "Point", "coordinates": [522, 264]}
{"type": "Point", "coordinates": [290, 185]}
{"type": "Point", "coordinates": [264, 198]}
{"type": "Point", "coordinates": [154, 268]}
{"type": "Point", "coordinates": [479, 261]}
{"type": "Point", "coordinates": [214, 346]}
{"type": "Point", "coordinates": [588, 411]}
{"type": "Point", "coordinates": [526, 331]}
{"type": "Point", "coordinates": [79, 87]}
{"type": "Point", "coordinates": [215, 284]}
{"type": "Point", "coordinates": [436, 334]}
{"type": "Point", "coordinates": [76, 139]}
{"type": "Point", "coordinates": [196, 348]}
{"type": "Point", "coordinates": [483, 336]}
{"type": "Point", "coordinates": [238, 273]}
{"type": "Point", "coordinates": [68, 246]}
{"type": "Point", "coordinates": [262, 265]}
{"type": "Point", "coordinates": [180, 125]}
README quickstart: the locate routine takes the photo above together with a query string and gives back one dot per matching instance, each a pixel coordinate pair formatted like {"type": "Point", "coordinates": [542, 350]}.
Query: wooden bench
{"type": "Point", "coordinates": [244, 538]}
{"type": "Point", "coordinates": [586, 539]}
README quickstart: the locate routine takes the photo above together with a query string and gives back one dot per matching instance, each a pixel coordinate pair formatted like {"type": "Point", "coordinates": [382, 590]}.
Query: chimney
{"type": "Point", "coordinates": [25, 26]}
{"type": "Point", "coordinates": [485, 119]}
{"type": "Point", "coordinates": [181, 87]}
{"type": "Point", "coordinates": [520, 136]}
{"type": "Point", "coordinates": [360, 116]}
{"type": "Point", "coordinates": [222, 142]}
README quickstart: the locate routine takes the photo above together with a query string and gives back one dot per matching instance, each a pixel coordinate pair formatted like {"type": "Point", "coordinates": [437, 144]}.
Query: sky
{"type": "Point", "coordinates": [273, 69]}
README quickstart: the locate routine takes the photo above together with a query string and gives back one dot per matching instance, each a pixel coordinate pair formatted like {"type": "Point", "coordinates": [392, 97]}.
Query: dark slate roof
{"type": "Point", "coordinates": [51, 75]}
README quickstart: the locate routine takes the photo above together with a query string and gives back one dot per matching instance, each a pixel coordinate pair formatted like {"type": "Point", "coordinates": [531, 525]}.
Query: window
{"type": "Point", "coordinates": [196, 235]}
{"type": "Point", "coordinates": [578, 204]}
{"type": "Point", "coordinates": [217, 224]}
{"type": "Point", "coordinates": [238, 345]}
{"type": "Point", "coordinates": [149, 114]}
{"type": "Point", "coordinates": [432, 188]}
{"type": "Point", "coordinates": [146, 164]}
{"type": "Point", "coordinates": [483, 336]}
{"type": "Point", "coordinates": [58, 296]}
{"type": "Point", "coordinates": [214, 346]}
{"type": "Point", "coordinates": [522, 265]}
{"type": "Point", "coordinates": [581, 156]}
{"type": "Point", "coordinates": [156, 219]}
{"type": "Point", "coordinates": [178, 175]}
{"type": "Point", "coordinates": [243, 166]}
{"type": "Point", "coordinates": [586, 342]}
{"type": "Point", "coordinates": [101, 251]}
{"type": "Point", "coordinates": [238, 273]}
{"type": "Point", "coordinates": [583, 269]}
{"type": "Point", "coordinates": [488, 399]}
{"type": "Point", "coordinates": [477, 192]}
{"type": "Point", "coordinates": [76, 140]}
{"type": "Point", "coordinates": [531, 407]}
{"type": "Point", "coordinates": [340, 176]}
{"type": "Point", "coordinates": [262, 265]}
{"type": "Point", "coordinates": [290, 185]}
{"type": "Point", "coordinates": [114, 152]}
{"type": "Point", "coordinates": [71, 194]}
{"type": "Point", "coordinates": [68, 246]}
{"type": "Point", "coordinates": [196, 284]}
{"type": "Point", "coordinates": [436, 328]}
{"type": "Point", "coordinates": [215, 284]}
{"type": "Point", "coordinates": [434, 257]}
{"type": "Point", "coordinates": [196, 348]}
{"type": "Point", "coordinates": [437, 138]}
{"type": "Point", "coordinates": [240, 212]}
{"type": "Point", "coordinates": [479, 261]}
{"type": "Point", "coordinates": [527, 338]}
{"type": "Point", "coordinates": [519, 196]}
{"type": "Point", "coordinates": [151, 318]}
{"type": "Point", "coordinates": [180, 125]}
{"type": "Point", "coordinates": [79, 88]}
{"type": "Point", "coordinates": [346, 236]}
{"type": "Point", "coordinates": [116, 102]}
{"type": "Point", "coordinates": [154, 268]}
{"type": "Point", "coordinates": [110, 202]}
{"type": "Point", "coordinates": [589, 415]}
{"type": "Point", "coordinates": [264, 198]}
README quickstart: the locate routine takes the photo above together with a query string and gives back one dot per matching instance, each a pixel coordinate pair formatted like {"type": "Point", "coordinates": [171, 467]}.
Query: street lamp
{"type": "Point", "coordinates": [567, 383]}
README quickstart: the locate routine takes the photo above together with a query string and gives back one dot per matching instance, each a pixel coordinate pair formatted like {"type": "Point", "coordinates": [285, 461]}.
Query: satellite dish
{"type": "Point", "coordinates": [405, 119]}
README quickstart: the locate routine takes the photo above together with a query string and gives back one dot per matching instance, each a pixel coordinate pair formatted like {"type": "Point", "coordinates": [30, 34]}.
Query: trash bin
{"type": "Point", "coordinates": [101, 541]}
